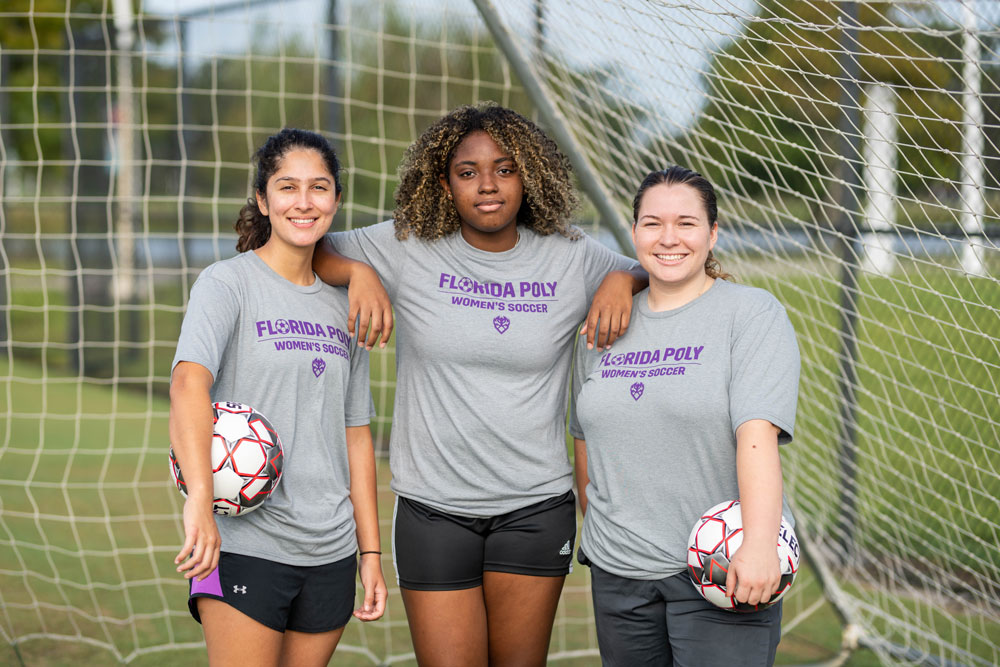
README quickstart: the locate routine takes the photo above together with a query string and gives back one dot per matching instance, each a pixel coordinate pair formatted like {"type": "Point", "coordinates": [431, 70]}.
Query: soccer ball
{"type": "Point", "coordinates": [716, 536]}
{"type": "Point", "coordinates": [247, 459]}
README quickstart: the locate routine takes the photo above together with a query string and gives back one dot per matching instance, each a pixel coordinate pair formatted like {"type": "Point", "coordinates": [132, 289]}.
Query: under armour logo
{"type": "Point", "coordinates": [566, 549]}
{"type": "Point", "coordinates": [240, 589]}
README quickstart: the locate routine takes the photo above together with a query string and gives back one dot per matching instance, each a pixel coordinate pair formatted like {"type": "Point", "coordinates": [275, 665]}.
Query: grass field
{"type": "Point", "coordinates": [90, 526]}
{"type": "Point", "coordinates": [89, 521]}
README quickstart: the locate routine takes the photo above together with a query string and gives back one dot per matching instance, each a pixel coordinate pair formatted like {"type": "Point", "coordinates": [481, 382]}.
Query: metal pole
{"type": "Point", "coordinates": [974, 204]}
{"type": "Point", "coordinates": [124, 286]}
{"type": "Point", "coordinates": [125, 155]}
{"type": "Point", "coordinates": [557, 125]}
{"type": "Point", "coordinates": [845, 196]}
{"type": "Point", "coordinates": [880, 150]}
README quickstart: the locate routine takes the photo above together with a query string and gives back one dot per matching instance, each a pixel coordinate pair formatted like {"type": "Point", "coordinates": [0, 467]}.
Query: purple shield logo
{"type": "Point", "coordinates": [501, 323]}
{"type": "Point", "coordinates": [318, 366]}
{"type": "Point", "coordinates": [636, 390]}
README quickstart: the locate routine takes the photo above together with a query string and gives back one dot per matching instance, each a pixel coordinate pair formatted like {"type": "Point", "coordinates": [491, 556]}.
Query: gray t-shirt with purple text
{"type": "Point", "coordinates": [659, 412]}
{"type": "Point", "coordinates": [483, 351]}
{"type": "Point", "coordinates": [283, 349]}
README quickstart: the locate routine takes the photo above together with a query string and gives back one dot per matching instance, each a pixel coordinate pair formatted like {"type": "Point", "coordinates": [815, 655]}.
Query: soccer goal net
{"type": "Point", "coordinates": [855, 148]}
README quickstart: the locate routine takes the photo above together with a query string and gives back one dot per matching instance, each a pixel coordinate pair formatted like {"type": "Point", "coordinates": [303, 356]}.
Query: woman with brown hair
{"type": "Point", "coordinates": [689, 411]}
{"type": "Point", "coordinates": [276, 586]}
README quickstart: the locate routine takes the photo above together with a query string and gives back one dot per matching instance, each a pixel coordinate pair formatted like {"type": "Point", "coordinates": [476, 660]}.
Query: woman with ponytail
{"type": "Point", "coordinates": [688, 412]}
{"type": "Point", "coordinates": [277, 586]}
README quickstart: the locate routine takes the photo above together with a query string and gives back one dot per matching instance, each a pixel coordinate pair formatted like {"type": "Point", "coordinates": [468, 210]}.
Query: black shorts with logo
{"type": "Point", "coordinates": [437, 551]}
{"type": "Point", "coordinates": [316, 598]}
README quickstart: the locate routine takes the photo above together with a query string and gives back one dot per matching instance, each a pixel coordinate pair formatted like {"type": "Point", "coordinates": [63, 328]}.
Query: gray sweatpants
{"type": "Point", "coordinates": [667, 622]}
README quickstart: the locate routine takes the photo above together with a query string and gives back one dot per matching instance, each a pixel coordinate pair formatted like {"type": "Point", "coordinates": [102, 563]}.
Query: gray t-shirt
{"type": "Point", "coordinates": [282, 348]}
{"type": "Point", "coordinates": [483, 351]}
{"type": "Point", "coordinates": [659, 412]}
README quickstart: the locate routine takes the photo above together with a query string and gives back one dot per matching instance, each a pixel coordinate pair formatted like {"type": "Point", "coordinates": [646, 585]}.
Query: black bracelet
{"type": "Point", "coordinates": [370, 552]}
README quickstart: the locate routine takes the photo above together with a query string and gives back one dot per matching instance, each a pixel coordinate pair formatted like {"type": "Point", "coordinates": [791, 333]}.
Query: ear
{"type": "Point", "coordinates": [445, 185]}
{"type": "Point", "coordinates": [713, 236]}
{"type": "Point", "coordinates": [336, 203]}
{"type": "Point", "coordinates": [261, 203]}
{"type": "Point", "coordinates": [634, 225]}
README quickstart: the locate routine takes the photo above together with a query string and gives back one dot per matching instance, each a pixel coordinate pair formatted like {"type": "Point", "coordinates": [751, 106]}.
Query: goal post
{"type": "Point", "coordinates": [854, 145]}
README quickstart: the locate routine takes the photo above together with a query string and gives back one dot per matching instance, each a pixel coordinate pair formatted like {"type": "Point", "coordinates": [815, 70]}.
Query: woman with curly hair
{"type": "Point", "coordinates": [489, 282]}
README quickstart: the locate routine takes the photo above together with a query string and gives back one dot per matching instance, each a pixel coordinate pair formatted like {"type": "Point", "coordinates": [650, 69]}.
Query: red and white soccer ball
{"type": "Point", "coordinates": [714, 540]}
{"type": "Point", "coordinates": [247, 459]}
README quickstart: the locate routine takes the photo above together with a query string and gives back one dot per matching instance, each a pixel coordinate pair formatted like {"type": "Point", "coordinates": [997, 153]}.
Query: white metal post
{"type": "Point", "coordinates": [124, 286]}
{"type": "Point", "coordinates": [879, 155]}
{"type": "Point", "coordinates": [973, 202]}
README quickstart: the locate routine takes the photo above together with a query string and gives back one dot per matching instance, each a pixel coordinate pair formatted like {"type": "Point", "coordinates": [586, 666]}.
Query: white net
{"type": "Point", "coordinates": [855, 149]}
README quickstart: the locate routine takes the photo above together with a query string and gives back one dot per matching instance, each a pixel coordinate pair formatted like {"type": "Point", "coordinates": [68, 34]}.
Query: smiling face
{"type": "Point", "coordinates": [673, 237]}
{"type": "Point", "coordinates": [487, 190]}
{"type": "Point", "coordinates": [300, 201]}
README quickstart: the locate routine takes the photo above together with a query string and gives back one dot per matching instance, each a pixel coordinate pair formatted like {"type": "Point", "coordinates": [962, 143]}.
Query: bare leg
{"type": "Point", "coordinates": [234, 639]}
{"type": "Point", "coordinates": [520, 610]}
{"type": "Point", "coordinates": [448, 627]}
{"type": "Point", "coordinates": [309, 649]}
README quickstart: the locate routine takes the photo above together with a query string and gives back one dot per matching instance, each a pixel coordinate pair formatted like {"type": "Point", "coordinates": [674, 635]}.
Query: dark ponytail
{"type": "Point", "coordinates": [253, 227]}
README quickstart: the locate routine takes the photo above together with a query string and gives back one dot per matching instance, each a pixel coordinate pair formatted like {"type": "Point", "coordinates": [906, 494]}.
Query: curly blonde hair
{"type": "Point", "coordinates": [422, 204]}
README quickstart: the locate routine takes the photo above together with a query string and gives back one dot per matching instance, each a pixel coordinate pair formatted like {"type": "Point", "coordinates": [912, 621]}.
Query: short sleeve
{"type": "Point", "coordinates": [765, 371]}
{"type": "Point", "coordinates": [599, 261]}
{"type": "Point", "coordinates": [209, 323]}
{"type": "Point", "coordinates": [377, 246]}
{"type": "Point", "coordinates": [359, 408]}
{"type": "Point", "coordinates": [580, 371]}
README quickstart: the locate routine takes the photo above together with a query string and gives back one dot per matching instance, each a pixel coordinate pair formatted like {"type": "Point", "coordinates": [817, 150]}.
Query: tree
{"type": "Point", "coordinates": [775, 94]}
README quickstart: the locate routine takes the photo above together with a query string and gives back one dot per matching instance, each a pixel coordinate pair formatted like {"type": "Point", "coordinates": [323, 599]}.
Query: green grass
{"type": "Point", "coordinates": [89, 523]}
{"type": "Point", "coordinates": [925, 405]}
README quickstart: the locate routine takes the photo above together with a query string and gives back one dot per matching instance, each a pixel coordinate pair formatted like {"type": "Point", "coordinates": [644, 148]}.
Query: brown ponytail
{"type": "Point", "coordinates": [253, 227]}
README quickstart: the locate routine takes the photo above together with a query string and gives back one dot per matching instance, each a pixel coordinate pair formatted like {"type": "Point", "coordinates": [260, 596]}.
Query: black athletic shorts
{"type": "Point", "coordinates": [283, 597]}
{"type": "Point", "coordinates": [436, 551]}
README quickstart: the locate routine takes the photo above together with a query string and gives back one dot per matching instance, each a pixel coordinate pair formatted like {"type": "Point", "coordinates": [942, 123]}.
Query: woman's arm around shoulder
{"type": "Point", "coordinates": [191, 438]}
{"type": "Point", "coordinates": [361, 461]}
{"type": "Point", "coordinates": [611, 308]}
{"type": "Point", "coordinates": [368, 302]}
{"type": "Point", "coordinates": [613, 279]}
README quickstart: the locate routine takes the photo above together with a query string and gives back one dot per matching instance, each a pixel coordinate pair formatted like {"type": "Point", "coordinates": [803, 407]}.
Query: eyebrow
{"type": "Point", "coordinates": [656, 217]}
{"type": "Point", "coordinates": [474, 163]}
{"type": "Point", "coordinates": [296, 180]}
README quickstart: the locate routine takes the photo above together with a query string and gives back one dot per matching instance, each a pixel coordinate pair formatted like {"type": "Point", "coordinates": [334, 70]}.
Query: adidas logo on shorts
{"type": "Point", "coordinates": [566, 549]}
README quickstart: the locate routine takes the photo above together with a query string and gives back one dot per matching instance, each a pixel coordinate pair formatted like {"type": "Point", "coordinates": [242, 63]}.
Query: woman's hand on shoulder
{"type": "Point", "coordinates": [376, 593]}
{"type": "Point", "coordinates": [368, 307]}
{"type": "Point", "coordinates": [610, 310]}
{"type": "Point", "coordinates": [754, 573]}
